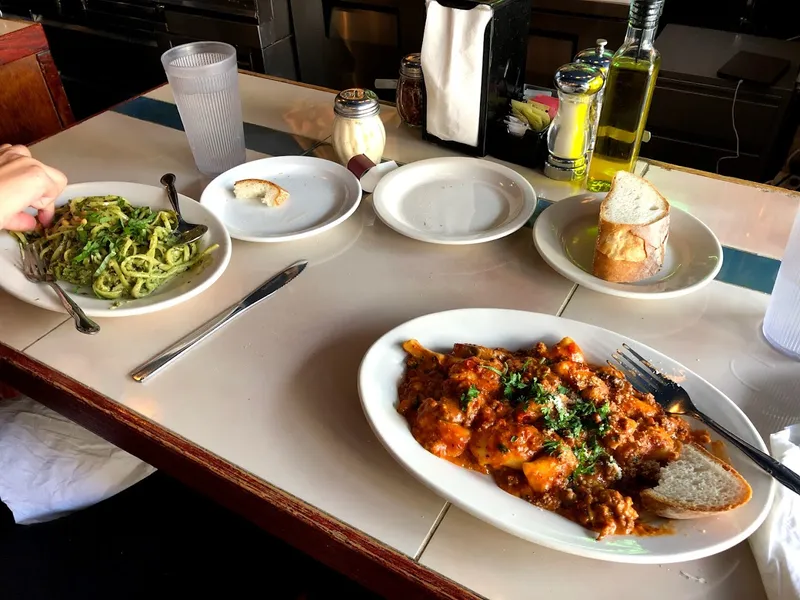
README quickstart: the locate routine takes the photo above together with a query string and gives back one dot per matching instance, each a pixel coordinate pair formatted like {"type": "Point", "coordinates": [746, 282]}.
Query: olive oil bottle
{"type": "Point", "coordinates": [628, 92]}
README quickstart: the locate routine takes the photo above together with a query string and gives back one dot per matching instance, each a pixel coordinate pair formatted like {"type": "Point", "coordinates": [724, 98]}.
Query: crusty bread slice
{"type": "Point", "coordinates": [270, 193]}
{"type": "Point", "coordinates": [633, 230]}
{"type": "Point", "coordinates": [698, 484]}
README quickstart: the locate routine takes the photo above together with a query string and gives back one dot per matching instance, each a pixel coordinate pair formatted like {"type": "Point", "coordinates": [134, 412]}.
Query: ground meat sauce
{"type": "Point", "coordinates": [549, 428]}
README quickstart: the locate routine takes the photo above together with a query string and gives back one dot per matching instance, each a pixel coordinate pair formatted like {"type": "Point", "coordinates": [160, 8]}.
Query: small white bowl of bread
{"type": "Point", "coordinates": [628, 242]}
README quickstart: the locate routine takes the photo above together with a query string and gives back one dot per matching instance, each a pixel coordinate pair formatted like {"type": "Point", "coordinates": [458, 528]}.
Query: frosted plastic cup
{"type": "Point", "coordinates": [782, 321]}
{"type": "Point", "coordinates": [205, 84]}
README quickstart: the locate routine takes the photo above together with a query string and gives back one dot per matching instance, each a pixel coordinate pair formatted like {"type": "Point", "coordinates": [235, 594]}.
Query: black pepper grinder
{"type": "Point", "coordinates": [409, 90]}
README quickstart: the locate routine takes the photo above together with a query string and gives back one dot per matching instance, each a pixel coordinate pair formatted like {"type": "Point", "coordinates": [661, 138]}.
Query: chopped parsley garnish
{"type": "Point", "coordinates": [468, 397]}
{"type": "Point", "coordinates": [494, 369]}
{"type": "Point", "coordinates": [513, 438]}
{"type": "Point", "coordinates": [502, 448]}
{"type": "Point", "coordinates": [552, 447]}
{"type": "Point", "coordinates": [587, 454]}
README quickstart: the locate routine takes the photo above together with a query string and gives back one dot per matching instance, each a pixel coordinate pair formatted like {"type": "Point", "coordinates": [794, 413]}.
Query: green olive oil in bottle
{"type": "Point", "coordinates": [628, 92]}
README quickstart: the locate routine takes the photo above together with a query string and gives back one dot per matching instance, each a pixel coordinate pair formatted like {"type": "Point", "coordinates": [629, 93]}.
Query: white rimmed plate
{"type": "Point", "coordinates": [565, 234]}
{"type": "Point", "coordinates": [454, 200]}
{"type": "Point", "coordinates": [382, 369]}
{"type": "Point", "coordinates": [183, 287]}
{"type": "Point", "coordinates": [322, 194]}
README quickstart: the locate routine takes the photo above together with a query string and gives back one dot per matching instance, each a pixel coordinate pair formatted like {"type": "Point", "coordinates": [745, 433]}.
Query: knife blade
{"type": "Point", "coordinates": [262, 292]}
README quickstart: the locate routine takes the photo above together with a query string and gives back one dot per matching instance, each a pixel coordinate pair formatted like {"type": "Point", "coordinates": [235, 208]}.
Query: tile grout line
{"type": "Point", "coordinates": [45, 334]}
{"type": "Point", "coordinates": [563, 306]}
{"type": "Point", "coordinates": [427, 540]}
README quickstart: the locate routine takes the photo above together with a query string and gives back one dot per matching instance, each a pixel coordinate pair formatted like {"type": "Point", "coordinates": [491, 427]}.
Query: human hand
{"type": "Point", "coordinates": [26, 182]}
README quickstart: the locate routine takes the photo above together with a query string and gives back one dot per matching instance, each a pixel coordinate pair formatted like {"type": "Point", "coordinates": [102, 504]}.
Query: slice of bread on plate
{"type": "Point", "coordinates": [698, 484]}
{"type": "Point", "coordinates": [269, 193]}
{"type": "Point", "coordinates": [633, 230]}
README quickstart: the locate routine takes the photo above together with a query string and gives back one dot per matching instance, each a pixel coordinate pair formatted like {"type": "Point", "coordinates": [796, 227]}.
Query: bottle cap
{"type": "Point", "coordinates": [578, 79]}
{"type": "Point", "coordinates": [411, 65]}
{"type": "Point", "coordinates": [597, 57]}
{"type": "Point", "coordinates": [644, 14]}
{"type": "Point", "coordinates": [355, 103]}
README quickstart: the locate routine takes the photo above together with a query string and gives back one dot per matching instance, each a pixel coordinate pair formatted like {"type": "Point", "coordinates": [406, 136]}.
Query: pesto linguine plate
{"type": "Point", "coordinates": [110, 247]}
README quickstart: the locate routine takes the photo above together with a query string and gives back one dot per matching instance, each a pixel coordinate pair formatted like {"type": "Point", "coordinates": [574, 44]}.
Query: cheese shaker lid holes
{"type": "Point", "coordinates": [356, 103]}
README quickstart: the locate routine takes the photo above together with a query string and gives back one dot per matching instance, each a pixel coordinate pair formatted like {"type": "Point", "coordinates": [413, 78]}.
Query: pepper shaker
{"type": "Point", "coordinates": [569, 133]}
{"type": "Point", "coordinates": [599, 58]}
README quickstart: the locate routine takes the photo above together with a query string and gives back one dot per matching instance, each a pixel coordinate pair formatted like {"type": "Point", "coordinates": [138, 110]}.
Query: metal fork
{"type": "Point", "coordinates": [674, 399]}
{"type": "Point", "coordinates": [35, 271]}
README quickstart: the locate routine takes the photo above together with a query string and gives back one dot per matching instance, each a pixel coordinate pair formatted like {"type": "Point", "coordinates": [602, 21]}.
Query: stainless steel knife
{"type": "Point", "coordinates": [264, 291]}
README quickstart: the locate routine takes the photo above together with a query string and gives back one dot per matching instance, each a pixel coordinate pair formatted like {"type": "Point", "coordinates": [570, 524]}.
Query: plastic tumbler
{"type": "Point", "coordinates": [782, 321]}
{"type": "Point", "coordinates": [205, 84]}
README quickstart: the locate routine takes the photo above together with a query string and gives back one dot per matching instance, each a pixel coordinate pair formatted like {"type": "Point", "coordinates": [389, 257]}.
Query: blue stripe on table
{"type": "Point", "coordinates": [256, 137]}
{"type": "Point", "coordinates": [739, 267]}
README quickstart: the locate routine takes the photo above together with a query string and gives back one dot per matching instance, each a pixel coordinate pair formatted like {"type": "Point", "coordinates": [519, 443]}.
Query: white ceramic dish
{"type": "Point", "coordinates": [382, 369]}
{"type": "Point", "coordinates": [454, 200]}
{"type": "Point", "coordinates": [322, 194]}
{"type": "Point", "coordinates": [565, 235]}
{"type": "Point", "coordinates": [183, 287]}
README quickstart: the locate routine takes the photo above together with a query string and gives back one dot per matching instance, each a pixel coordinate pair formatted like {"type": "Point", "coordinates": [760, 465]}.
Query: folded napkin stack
{"type": "Point", "coordinates": [776, 544]}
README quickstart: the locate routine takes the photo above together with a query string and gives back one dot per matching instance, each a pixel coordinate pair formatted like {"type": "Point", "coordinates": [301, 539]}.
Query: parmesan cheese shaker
{"type": "Point", "coordinates": [570, 132]}
{"type": "Point", "coordinates": [357, 125]}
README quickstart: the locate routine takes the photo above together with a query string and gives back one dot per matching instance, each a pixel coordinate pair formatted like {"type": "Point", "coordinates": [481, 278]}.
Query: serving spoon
{"type": "Point", "coordinates": [186, 233]}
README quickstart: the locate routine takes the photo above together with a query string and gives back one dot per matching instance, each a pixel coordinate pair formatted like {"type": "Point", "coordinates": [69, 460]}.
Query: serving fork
{"type": "Point", "coordinates": [675, 400]}
{"type": "Point", "coordinates": [35, 271]}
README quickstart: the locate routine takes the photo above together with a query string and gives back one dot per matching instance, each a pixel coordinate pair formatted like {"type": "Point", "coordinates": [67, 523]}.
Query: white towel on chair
{"type": "Point", "coordinates": [50, 466]}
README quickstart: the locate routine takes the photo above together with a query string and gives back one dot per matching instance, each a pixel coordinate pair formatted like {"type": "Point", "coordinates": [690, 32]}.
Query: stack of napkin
{"type": "Point", "coordinates": [776, 544]}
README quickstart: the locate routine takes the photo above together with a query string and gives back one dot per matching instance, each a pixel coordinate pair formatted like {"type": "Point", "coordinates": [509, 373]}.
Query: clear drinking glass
{"type": "Point", "coordinates": [782, 321]}
{"type": "Point", "coordinates": [205, 84]}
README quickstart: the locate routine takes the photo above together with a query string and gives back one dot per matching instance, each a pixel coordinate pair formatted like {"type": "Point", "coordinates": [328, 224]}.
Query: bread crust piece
{"type": "Point", "coordinates": [673, 509]}
{"type": "Point", "coordinates": [629, 253]}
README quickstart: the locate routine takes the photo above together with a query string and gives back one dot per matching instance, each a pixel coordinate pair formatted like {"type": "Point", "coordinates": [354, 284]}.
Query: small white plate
{"type": "Point", "coordinates": [322, 194]}
{"type": "Point", "coordinates": [565, 235]}
{"type": "Point", "coordinates": [454, 200]}
{"type": "Point", "coordinates": [180, 289]}
{"type": "Point", "coordinates": [382, 369]}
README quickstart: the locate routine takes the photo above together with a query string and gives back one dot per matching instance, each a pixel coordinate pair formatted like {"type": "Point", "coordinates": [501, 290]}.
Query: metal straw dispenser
{"type": "Point", "coordinates": [570, 132]}
{"type": "Point", "coordinates": [599, 58]}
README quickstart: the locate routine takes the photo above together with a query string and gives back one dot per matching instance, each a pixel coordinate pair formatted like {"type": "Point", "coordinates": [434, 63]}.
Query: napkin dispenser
{"type": "Point", "coordinates": [473, 63]}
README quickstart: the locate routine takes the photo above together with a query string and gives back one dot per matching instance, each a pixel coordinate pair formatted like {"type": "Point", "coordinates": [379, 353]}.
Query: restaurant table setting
{"type": "Point", "coordinates": [503, 374]}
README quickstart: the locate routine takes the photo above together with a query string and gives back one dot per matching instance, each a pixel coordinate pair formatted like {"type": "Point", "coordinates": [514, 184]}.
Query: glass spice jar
{"type": "Point", "coordinates": [357, 125]}
{"type": "Point", "coordinates": [409, 90]}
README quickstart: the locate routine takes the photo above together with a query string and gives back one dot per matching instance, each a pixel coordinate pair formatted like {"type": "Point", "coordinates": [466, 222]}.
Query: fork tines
{"type": "Point", "coordinates": [640, 372]}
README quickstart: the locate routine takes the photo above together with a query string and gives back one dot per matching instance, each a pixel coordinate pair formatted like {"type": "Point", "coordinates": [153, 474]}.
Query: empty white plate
{"type": "Point", "coordinates": [322, 194]}
{"type": "Point", "coordinates": [565, 235]}
{"type": "Point", "coordinates": [454, 200]}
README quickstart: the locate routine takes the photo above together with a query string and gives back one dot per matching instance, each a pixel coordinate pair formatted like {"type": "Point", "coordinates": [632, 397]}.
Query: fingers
{"type": "Point", "coordinates": [9, 153]}
{"type": "Point", "coordinates": [21, 222]}
{"type": "Point", "coordinates": [45, 214]}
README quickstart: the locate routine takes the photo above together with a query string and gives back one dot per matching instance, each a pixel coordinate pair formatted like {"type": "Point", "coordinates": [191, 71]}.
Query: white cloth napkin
{"type": "Point", "coordinates": [50, 466]}
{"type": "Point", "coordinates": [452, 64]}
{"type": "Point", "coordinates": [776, 544]}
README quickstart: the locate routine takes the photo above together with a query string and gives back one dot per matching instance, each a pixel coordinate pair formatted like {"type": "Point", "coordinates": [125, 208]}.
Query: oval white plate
{"type": "Point", "coordinates": [454, 200]}
{"type": "Point", "coordinates": [382, 369]}
{"type": "Point", "coordinates": [322, 194]}
{"type": "Point", "coordinates": [565, 234]}
{"type": "Point", "coordinates": [176, 291]}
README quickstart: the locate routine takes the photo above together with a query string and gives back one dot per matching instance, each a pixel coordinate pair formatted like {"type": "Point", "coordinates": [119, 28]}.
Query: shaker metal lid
{"type": "Point", "coordinates": [356, 102]}
{"type": "Point", "coordinates": [411, 65]}
{"type": "Point", "coordinates": [597, 57]}
{"type": "Point", "coordinates": [578, 78]}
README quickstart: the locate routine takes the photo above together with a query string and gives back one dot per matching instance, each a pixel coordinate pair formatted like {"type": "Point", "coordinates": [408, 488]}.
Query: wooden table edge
{"type": "Point", "coordinates": [355, 554]}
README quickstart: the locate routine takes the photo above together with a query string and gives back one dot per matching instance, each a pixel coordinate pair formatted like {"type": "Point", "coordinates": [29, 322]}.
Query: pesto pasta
{"type": "Point", "coordinates": [119, 250]}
